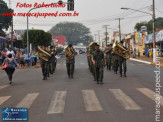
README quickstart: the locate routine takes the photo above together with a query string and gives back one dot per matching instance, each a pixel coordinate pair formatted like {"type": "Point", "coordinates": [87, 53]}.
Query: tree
{"type": "Point", "coordinates": [37, 37]}
{"type": "Point", "coordinates": [149, 25]}
{"type": "Point", "coordinates": [74, 32]}
{"type": "Point", "coordinates": [5, 21]}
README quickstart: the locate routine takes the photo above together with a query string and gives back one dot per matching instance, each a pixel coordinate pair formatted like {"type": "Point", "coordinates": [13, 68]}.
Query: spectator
{"type": "Point", "coordinates": [138, 53]}
{"type": "Point", "coordinates": [11, 66]}
{"type": "Point", "coordinates": [26, 58]}
{"type": "Point", "coordinates": [143, 51]}
{"type": "Point", "coordinates": [35, 59]}
{"type": "Point", "coordinates": [11, 52]}
{"type": "Point", "coordinates": [17, 57]}
{"type": "Point", "coordinates": [4, 55]}
{"type": "Point", "coordinates": [32, 62]}
{"type": "Point", "coordinates": [21, 60]}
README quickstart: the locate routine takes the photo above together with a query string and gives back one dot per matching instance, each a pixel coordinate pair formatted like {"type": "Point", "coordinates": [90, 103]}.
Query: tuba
{"type": "Point", "coordinates": [43, 54]}
{"type": "Point", "coordinates": [118, 49]}
{"type": "Point", "coordinates": [68, 53]}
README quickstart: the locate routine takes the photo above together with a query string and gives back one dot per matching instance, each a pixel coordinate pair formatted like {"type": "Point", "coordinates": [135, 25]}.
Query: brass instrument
{"type": "Point", "coordinates": [69, 53]}
{"type": "Point", "coordinates": [118, 49]}
{"type": "Point", "coordinates": [42, 54]}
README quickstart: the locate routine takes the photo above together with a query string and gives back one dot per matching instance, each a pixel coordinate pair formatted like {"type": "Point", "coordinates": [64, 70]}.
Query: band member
{"type": "Point", "coordinates": [70, 60]}
{"type": "Point", "coordinates": [53, 60]}
{"type": "Point", "coordinates": [48, 62]}
{"type": "Point", "coordinates": [99, 62]}
{"type": "Point", "coordinates": [115, 62]}
{"type": "Point", "coordinates": [108, 56]}
{"type": "Point", "coordinates": [122, 61]}
{"type": "Point", "coordinates": [44, 66]}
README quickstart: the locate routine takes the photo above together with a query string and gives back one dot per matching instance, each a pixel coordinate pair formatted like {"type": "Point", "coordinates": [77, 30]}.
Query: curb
{"type": "Point", "coordinates": [146, 62]}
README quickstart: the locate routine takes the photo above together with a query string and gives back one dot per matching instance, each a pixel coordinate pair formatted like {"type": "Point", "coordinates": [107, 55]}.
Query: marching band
{"type": "Point", "coordinates": [113, 57]}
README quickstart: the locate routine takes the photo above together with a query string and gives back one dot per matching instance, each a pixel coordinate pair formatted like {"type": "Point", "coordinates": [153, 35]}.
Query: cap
{"type": "Point", "coordinates": [70, 45]}
{"type": "Point", "coordinates": [121, 42]}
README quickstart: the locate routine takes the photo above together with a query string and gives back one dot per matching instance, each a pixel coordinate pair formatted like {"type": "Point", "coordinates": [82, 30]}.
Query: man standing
{"type": "Point", "coordinates": [44, 66]}
{"type": "Point", "coordinates": [122, 61]}
{"type": "Point", "coordinates": [108, 56]}
{"type": "Point", "coordinates": [70, 60]}
{"type": "Point", "coordinates": [11, 52]}
{"type": "Point", "coordinates": [99, 62]}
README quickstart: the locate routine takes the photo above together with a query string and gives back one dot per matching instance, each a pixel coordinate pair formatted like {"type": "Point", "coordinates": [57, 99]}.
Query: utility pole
{"type": "Point", "coordinates": [98, 37]}
{"type": "Point", "coordinates": [154, 36]}
{"type": "Point", "coordinates": [11, 28]}
{"type": "Point", "coordinates": [106, 27]}
{"type": "Point", "coordinates": [95, 37]}
{"type": "Point", "coordinates": [119, 19]}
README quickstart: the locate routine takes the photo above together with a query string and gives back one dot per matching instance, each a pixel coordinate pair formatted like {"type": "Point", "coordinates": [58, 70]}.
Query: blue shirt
{"type": "Point", "coordinates": [26, 57]}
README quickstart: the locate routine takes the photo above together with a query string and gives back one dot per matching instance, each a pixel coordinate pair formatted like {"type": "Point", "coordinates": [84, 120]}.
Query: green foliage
{"type": "Point", "coordinates": [74, 32]}
{"type": "Point", "coordinates": [37, 37]}
{"type": "Point", "coordinates": [149, 25]}
{"type": "Point", "coordinates": [5, 20]}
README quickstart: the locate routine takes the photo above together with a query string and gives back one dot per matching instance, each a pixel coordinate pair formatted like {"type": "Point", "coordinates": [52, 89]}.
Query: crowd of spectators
{"type": "Point", "coordinates": [22, 58]}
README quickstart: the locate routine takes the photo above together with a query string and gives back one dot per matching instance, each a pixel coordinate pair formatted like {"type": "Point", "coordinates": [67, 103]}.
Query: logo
{"type": "Point", "coordinates": [14, 114]}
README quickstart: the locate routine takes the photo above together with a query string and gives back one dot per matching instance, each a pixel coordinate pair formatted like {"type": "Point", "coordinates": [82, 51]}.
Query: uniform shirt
{"type": "Point", "coordinates": [98, 56]}
{"type": "Point", "coordinates": [68, 59]}
{"type": "Point", "coordinates": [108, 54]}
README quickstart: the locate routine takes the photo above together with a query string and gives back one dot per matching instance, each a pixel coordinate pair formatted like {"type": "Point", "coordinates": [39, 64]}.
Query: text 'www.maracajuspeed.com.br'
{"type": "Point", "coordinates": [38, 14]}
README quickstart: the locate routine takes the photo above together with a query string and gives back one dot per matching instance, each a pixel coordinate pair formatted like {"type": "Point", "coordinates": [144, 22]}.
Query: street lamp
{"type": "Point", "coordinates": [27, 28]}
{"type": "Point", "coordinates": [59, 2]}
{"type": "Point", "coordinates": [153, 18]}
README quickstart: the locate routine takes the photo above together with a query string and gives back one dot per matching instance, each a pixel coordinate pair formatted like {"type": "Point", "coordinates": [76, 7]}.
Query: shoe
{"type": "Point", "coordinates": [72, 77]}
{"type": "Point", "coordinates": [97, 82]}
{"type": "Point", "coordinates": [69, 76]}
{"type": "Point", "coordinates": [10, 82]}
{"type": "Point", "coordinates": [102, 83]}
{"type": "Point", "coordinates": [120, 75]}
{"type": "Point", "coordinates": [125, 75]}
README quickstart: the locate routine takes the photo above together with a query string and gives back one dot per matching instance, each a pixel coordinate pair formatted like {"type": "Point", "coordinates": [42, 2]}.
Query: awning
{"type": "Point", "coordinates": [2, 39]}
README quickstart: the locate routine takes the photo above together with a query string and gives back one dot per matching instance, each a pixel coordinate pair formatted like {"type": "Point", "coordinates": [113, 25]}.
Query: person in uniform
{"type": "Point", "coordinates": [99, 62]}
{"type": "Point", "coordinates": [53, 60]}
{"type": "Point", "coordinates": [44, 66]}
{"type": "Point", "coordinates": [122, 61]}
{"type": "Point", "coordinates": [115, 62]}
{"type": "Point", "coordinates": [48, 62]}
{"type": "Point", "coordinates": [108, 56]}
{"type": "Point", "coordinates": [70, 60]}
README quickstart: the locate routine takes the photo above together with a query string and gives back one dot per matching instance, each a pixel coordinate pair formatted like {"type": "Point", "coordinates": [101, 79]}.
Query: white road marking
{"type": "Point", "coordinates": [125, 100]}
{"type": "Point", "coordinates": [91, 101]}
{"type": "Point", "coordinates": [146, 62]}
{"type": "Point", "coordinates": [28, 100]}
{"type": "Point", "coordinates": [3, 99]}
{"type": "Point", "coordinates": [1, 87]}
{"type": "Point", "coordinates": [82, 63]}
{"type": "Point", "coordinates": [58, 102]}
{"type": "Point", "coordinates": [150, 94]}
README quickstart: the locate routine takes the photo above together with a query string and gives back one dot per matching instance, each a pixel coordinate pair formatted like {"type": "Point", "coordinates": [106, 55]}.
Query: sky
{"type": "Point", "coordinates": [93, 14]}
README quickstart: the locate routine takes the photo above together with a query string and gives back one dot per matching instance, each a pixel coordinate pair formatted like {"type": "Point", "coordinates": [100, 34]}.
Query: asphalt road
{"type": "Point", "coordinates": [60, 99]}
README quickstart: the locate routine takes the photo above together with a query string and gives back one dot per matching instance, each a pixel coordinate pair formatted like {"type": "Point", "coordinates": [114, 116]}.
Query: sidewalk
{"type": "Point", "coordinates": [147, 60]}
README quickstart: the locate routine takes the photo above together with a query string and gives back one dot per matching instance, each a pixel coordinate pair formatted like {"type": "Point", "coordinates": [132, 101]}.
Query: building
{"type": "Point", "coordinates": [59, 41]}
